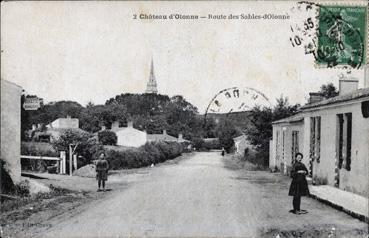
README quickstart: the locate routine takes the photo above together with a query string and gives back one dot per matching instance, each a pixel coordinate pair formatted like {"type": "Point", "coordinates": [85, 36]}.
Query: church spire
{"type": "Point", "coordinates": [151, 85]}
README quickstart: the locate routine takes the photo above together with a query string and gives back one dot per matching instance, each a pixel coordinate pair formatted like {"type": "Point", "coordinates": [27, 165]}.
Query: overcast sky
{"type": "Point", "coordinates": [91, 51]}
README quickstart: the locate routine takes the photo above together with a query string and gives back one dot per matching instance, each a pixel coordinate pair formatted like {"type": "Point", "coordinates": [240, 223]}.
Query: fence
{"type": "Point", "coordinates": [61, 161]}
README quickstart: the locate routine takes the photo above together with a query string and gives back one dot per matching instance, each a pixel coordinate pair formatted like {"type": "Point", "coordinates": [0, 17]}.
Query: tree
{"type": "Point", "coordinates": [93, 117]}
{"type": "Point", "coordinates": [283, 108]}
{"type": "Point", "coordinates": [328, 90]}
{"type": "Point", "coordinates": [85, 142]}
{"type": "Point", "coordinates": [54, 110]}
{"type": "Point", "coordinates": [107, 137]}
{"type": "Point", "coordinates": [226, 133]}
{"type": "Point", "coordinates": [259, 131]}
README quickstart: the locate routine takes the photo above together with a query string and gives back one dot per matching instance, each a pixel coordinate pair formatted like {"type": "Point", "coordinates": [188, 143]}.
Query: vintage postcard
{"type": "Point", "coordinates": [184, 119]}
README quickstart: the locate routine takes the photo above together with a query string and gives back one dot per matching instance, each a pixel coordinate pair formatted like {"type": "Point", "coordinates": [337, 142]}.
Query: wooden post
{"type": "Point", "coordinates": [63, 162]}
{"type": "Point", "coordinates": [70, 160]}
{"type": "Point", "coordinates": [75, 161]}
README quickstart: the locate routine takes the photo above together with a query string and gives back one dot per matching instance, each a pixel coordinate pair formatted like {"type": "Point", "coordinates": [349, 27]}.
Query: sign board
{"type": "Point", "coordinates": [32, 103]}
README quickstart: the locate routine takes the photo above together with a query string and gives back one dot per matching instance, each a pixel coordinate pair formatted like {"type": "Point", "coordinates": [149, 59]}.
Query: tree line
{"type": "Point", "coordinates": [151, 112]}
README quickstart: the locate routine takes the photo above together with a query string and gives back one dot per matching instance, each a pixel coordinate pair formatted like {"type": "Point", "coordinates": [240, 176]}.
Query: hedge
{"type": "Point", "coordinates": [150, 153]}
{"type": "Point", "coordinates": [37, 149]}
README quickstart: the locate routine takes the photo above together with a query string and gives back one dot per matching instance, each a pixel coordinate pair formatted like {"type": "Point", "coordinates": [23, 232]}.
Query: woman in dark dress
{"type": "Point", "coordinates": [102, 167]}
{"type": "Point", "coordinates": [299, 186]}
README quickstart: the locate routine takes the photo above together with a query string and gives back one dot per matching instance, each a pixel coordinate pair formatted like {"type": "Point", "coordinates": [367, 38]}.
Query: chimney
{"type": "Point", "coordinates": [115, 125]}
{"type": "Point", "coordinates": [103, 127]}
{"type": "Point", "coordinates": [69, 117]}
{"type": "Point", "coordinates": [130, 124]}
{"type": "Point", "coordinates": [180, 137]}
{"type": "Point", "coordinates": [164, 132]}
{"type": "Point", "coordinates": [348, 85]}
{"type": "Point", "coordinates": [315, 97]}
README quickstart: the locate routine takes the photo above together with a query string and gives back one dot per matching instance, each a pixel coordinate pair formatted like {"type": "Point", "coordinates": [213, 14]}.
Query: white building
{"type": "Point", "coordinates": [333, 136]}
{"type": "Point", "coordinates": [129, 136]}
{"type": "Point", "coordinates": [65, 123]}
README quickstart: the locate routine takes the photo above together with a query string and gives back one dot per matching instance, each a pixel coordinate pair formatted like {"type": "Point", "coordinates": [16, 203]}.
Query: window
{"type": "Point", "coordinates": [344, 137]}
{"type": "Point", "coordinates": [315, 131]}
{"type": "Point", "coordinates": [365, 109]}
{"type": "Point", "coordinates": [283, 142]}
{"type": "Point", "coordinates": [317, 138]}
{"type": "Point", "coordinates": [295, 145]}
{"type": "Point", "coordinates": [277, 145]}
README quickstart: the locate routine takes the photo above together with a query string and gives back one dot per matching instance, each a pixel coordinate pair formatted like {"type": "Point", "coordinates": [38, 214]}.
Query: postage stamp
{"type": "Point", "coordinates": [336, 35]}
{"type": "Point", "coordinates": [341, 36]}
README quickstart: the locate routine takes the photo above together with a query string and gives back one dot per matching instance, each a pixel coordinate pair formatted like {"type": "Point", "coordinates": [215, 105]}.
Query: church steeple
{"type": "Point", "coordinates": [151, 85]}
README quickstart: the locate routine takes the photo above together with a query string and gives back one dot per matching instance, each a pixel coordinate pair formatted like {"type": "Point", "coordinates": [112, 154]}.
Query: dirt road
{"type": "Point", "coordinates": [199, 197]}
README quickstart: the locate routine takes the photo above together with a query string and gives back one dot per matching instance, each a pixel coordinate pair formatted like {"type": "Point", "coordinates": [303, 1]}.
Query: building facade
{"type": "Point", "coordinates": [337, 141]}
{"type": "Point", "coordinates": [333, 136]}
{"type": "Point", "coordinates": [11, 128]}
{"type": "Point", "coordinates": [65, 123]}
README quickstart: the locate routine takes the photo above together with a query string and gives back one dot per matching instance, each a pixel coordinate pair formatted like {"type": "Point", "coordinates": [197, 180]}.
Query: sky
{"type": "Point", "coordinates": [92, 51]}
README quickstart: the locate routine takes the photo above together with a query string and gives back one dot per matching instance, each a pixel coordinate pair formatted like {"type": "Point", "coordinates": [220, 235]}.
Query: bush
{"type": "Point", "coordinates": [22, 188]}
{"type": "Point", "coordinates": [258, 157]}
{"type": "Point", "coordinates": [107, 137]}
{"type": "Point", "coordinates": [212, 145]}
{"type": "Point", "coordinates": [198, 143]}
{"type": "Point", "coordinates": [7, 185]}
{"type": "Point", "coordinates": [150, 153]}
{"type": "Point", "coordinates": [38, 149]}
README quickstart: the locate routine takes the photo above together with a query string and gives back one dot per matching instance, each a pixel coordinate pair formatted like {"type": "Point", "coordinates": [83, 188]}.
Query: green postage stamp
{"type": "Point", "coordinates": [341, 36]}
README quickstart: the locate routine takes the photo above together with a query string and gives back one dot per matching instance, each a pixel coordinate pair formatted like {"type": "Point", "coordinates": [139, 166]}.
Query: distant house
{"type": "Point", "coordinates": [53, 130]}
{"type": "Point", "coordinates": [65, 123]}
{"type": "Point", "coordinates": [128, 136]}
{"type": "Point", "coordinates": [288, 134]}
{"type": "Point", "coordinates": [11, 128]}
{"type": "Point", "coordinates": [181, 139]}
{"type": "Point", "coordinates": [242, 145]}
{"type": "Point", "coordinates": [333, 136]}
{"type": "Point", "coordinates": [161, 137]}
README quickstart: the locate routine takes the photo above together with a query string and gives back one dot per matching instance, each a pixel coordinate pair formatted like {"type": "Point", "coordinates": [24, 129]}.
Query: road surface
{"type": "Point", "coordinates": [200, 197]}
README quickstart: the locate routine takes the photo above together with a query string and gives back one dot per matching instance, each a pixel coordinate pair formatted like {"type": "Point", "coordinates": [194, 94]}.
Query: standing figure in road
{"type": "Point", "coordinates": [299, 186]}
{"type": "Point", "coordinates": [102, 168]}
{"type": "Point", "coordinates": [223, 151]}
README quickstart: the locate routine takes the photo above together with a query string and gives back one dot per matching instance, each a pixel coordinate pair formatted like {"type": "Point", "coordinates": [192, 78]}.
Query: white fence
{"type": "Point", "coordinates": [61, 161]}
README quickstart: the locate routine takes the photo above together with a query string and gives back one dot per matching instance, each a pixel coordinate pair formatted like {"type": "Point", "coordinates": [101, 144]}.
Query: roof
{"type": "Point", "coordinates": [292, 119]}
{"type": "Point", "coordinates": [357, 94]}
{"type": "Point", "coordinates": [124, 128]}
{"type": "Point", "coordinates": [9, 82]}
{"type": "Point", "coordinates": [161, 137]}
{"type": "Point", "coordinates": [241, 137]}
